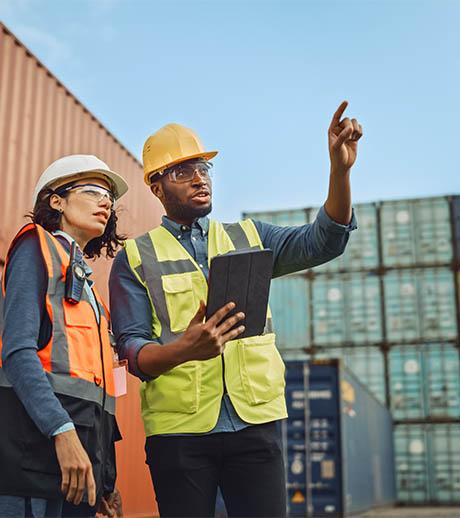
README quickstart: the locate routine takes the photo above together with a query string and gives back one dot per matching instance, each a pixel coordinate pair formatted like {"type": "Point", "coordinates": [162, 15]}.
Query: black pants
{"type": "Point", "coordinates": [246, 465]}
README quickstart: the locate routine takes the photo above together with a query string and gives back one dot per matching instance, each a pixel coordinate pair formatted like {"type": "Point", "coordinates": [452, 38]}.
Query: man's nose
{"type": "Point", "coordinates": [199, 177]}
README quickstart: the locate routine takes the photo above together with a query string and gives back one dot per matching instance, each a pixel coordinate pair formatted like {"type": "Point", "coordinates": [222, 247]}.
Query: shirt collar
{"type": "Point", "coordinates": [202, 224]}
{"type": "Point", "coordinates": [69, 240]}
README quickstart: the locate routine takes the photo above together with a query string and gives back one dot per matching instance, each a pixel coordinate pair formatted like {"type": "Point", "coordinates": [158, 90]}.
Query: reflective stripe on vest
{"type": "Point", "coordinates": [187, 398]}
{"type": "Point", "coordinates": [72, 357]}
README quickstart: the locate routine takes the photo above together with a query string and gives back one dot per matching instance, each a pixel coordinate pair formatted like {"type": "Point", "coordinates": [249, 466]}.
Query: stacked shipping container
{"type": "Point", "coordinates": [389, 308]}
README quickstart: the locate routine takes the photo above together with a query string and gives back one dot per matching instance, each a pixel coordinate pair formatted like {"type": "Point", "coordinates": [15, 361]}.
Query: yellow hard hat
{"type": "Point", "coordinates": [170, 145]}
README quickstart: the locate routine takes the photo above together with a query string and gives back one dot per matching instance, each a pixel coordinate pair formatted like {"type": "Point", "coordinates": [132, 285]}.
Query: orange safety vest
{"type": "Point", "coordinates": [78, 357]}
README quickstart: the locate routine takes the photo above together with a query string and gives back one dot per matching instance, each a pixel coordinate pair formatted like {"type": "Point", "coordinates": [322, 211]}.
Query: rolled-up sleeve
{"type": "Point", "coordinates": [131, 314]}
{"type": "Point", "coordinates": [306, 246]}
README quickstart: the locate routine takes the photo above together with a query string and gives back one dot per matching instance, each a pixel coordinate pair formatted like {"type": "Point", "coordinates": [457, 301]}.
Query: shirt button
{"type": "Point", "coordinates": [194, 238]}
{"type": "Point", "coordinates": [201, 266]}
{"type": "Point", "coordinates": [179, 236]}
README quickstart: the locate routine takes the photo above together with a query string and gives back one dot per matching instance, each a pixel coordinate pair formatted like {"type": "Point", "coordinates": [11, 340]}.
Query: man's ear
{"type": "Point", "coordinates": [157, 189]}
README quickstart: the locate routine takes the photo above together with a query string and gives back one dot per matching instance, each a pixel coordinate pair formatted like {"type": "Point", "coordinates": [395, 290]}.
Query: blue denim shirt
{"type": "Point", "coordinates": [294, 249]}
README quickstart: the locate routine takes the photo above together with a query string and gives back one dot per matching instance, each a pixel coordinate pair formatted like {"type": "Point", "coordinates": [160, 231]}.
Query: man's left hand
{"type": "Point", "coordinates": [343, 136]}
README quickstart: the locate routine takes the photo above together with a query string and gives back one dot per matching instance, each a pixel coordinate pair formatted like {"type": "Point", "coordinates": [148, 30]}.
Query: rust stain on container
{"type": "Point", "coordinates": [40, 121]}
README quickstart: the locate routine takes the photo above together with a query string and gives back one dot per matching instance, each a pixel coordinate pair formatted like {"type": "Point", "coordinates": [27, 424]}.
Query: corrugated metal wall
{"type": "Point", "coordinates": [40, 120]}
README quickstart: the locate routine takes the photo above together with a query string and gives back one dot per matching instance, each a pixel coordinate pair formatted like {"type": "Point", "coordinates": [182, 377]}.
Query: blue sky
{"type": "Point", "coordinates": [259, 81]}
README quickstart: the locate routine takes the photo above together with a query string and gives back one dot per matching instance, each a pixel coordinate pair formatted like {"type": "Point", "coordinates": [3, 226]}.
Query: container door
{"type": "Point", "coordinates": [295, 441]}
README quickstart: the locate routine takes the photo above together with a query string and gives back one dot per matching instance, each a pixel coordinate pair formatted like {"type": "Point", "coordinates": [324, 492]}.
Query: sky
{"type": "Point", "coordinates": [259, 81]}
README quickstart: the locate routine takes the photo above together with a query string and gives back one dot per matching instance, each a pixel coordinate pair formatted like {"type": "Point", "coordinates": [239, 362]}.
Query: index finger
{"type": "Point", "coordinates": [338, 114]}
{"type": "Point", "coordinates": [220, 314]}
{"type": "Point", "coordinates": [91, 487]}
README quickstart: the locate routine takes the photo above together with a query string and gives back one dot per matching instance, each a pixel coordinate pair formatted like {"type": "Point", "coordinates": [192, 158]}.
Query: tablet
{"type": "Point", "coordinates": [242, 277]}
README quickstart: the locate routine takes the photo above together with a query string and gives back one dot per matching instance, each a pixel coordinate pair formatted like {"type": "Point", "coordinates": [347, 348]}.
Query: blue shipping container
{"type": "Point", "coordinates": [366, 363]}
{"type": "Point", "coordinates": [348, 462]}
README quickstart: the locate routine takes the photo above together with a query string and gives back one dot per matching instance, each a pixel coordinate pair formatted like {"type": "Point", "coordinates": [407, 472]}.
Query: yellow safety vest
{"type": "Point", "coordinates": [187, 398]}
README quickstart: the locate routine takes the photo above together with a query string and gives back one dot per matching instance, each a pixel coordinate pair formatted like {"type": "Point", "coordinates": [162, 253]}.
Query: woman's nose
{"type": "Point", "coordinates": [105, 201]}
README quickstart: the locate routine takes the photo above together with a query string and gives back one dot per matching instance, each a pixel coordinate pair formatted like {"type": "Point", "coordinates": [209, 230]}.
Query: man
{"type": "Point", "coordinates": [211, 401]}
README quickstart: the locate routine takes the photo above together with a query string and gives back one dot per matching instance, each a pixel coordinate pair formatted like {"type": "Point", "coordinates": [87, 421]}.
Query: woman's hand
{"type": "Point", "coordinates": [76, 468]}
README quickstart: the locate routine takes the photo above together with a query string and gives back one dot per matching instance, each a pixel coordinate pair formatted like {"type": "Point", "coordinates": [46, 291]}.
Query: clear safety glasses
{"type": "Point", "coordinates": [182, 173]}
{"type": "Point", "coordinates": [90, 191]}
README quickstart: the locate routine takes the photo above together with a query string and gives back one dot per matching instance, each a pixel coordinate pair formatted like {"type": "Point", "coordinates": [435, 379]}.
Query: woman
{"type": "Point", "coordinates": [57, 393]}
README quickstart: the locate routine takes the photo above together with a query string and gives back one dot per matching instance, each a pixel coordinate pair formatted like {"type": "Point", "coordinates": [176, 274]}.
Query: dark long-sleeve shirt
{"type": "Point", "coordinates": [294, 249]}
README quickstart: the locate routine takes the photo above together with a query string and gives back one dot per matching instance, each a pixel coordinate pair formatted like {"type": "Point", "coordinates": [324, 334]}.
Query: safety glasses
{"type": "Point", "coordinates": [90, 191]}
{"type": "Point", "coordinates": [182, 173]}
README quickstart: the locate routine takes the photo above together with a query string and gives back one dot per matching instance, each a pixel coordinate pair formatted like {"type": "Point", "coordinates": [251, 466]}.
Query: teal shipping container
{"type": "Point", "coordinates": [420, 304]}
{"type": "Point", "coordinates": [290, 306]}
{"type": "Point", "coordinates": [346, 309]}
{"type": "Point", "coordinates": [362, 251]}
{"type": "Point", "coordinates": [416, 232]}
{"type": "Point", "coordinates": [455, 211]}
{"type": "Point", "coordinates": [282, 217]}
{"type": "Point", "coordinates": [427, 458]}
{"type": "Point", "coordinates": [424, 381]}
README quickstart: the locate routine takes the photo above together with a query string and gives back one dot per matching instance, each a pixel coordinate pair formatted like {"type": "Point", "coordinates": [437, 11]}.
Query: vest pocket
{"type": "Point", "coordinates": [177, 390]}
{"type": "Point", "coordinates": [180, 300]}
{"type": "Point", "coordinates": [82, 338]}
{"type": "Point", "coordinates": [261, 368]}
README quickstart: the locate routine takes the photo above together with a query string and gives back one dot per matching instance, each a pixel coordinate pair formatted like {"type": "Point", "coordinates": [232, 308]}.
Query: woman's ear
{"type": "Point", "coordinates": [56, 203]}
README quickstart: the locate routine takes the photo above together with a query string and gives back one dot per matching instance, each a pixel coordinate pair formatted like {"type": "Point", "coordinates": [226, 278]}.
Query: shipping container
{"type": "Point", "coordinates": [420, 305]}
{"type": "Point", "coordinates": [362, 251]}
{"type": "Point", "coordinates": [281, 218]}
{"type": "Point", "coordinates": [290, 306]}
{"type": "Point", "coordinates": [347, 461]}
{"type": "Point", "coordinates": [455, 210]}
{"type": "Point", "coordinates": [346, 309]}
{"type": "Point", "coordinates": [424, 381]}
{"type": "Point", "coordinates": [427, 458]}
{"type": "Point", "coordinates": [416, 232]}
{"type": "Point", "coordinates": [40, 121]}
{"type": "Point", "coordinates": [366, 363]}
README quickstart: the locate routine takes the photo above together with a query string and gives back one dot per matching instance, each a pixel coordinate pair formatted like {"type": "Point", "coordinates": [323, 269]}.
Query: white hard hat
{"type": "Point", "coordinates": [75, 165]}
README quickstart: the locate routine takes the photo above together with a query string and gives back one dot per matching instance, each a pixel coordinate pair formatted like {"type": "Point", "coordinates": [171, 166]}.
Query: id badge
{"type": "Point", "coordinates": [120, 377]}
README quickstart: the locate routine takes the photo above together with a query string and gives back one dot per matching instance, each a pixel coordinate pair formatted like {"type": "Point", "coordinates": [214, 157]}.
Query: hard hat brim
{"type": "Point", "coordinates": [118, 183]}
{"type": "Point", "coordinates": [205, 156]}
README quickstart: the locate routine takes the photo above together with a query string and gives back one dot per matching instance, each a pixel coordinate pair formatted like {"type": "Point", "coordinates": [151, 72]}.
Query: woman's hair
{"type": "Point", "coordinates": [50, 219]}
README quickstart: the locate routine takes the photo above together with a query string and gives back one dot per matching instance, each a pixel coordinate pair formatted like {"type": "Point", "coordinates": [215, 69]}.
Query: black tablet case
{"type": "Point", "coordinates": [242, 277]}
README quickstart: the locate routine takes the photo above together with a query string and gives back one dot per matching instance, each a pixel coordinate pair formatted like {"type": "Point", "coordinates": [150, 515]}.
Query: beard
{"type": "Point", "coordinates": [176, 210]}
